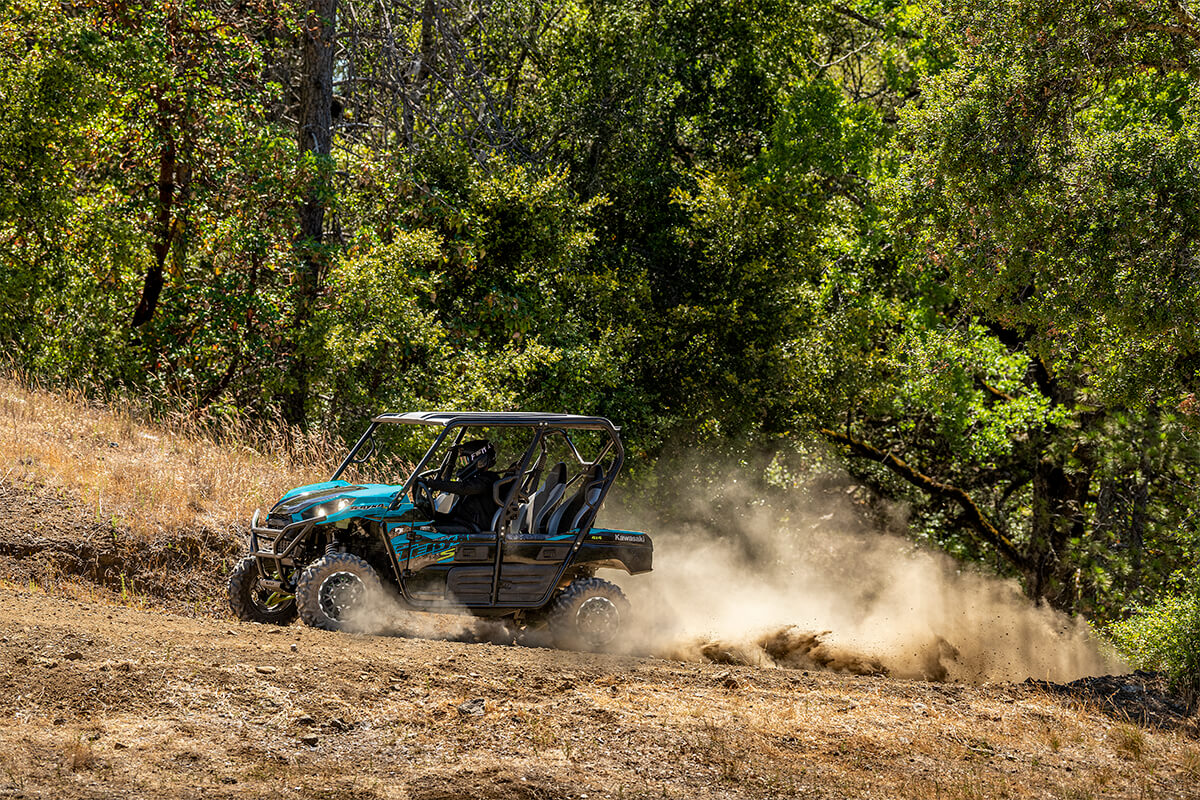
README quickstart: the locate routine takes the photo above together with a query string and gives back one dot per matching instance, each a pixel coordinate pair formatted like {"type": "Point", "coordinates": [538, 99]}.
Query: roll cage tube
{"type": "Point", "coordinates": [350, 457]}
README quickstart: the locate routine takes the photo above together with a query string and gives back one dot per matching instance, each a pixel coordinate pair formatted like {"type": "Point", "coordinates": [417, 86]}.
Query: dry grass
{"type": "Point", "coordinates": [150, 477]}
{"type": "Point", "coordinates": [1190, 762]}
{"type": "Point", "coordinates": [167, 706]}
{"type": "Point", "coordinates": [1129, 741]}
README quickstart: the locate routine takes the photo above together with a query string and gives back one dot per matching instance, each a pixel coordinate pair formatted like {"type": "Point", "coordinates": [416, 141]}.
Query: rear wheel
{"type": "Point", "coordinates": [589, 614]}
{"type": "Point", "coordinates": [334, 591]}
{"type": "Point", "coordinates": [251, 602]}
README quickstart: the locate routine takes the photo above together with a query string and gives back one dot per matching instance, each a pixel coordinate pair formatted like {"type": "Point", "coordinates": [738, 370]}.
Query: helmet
{"type": "Point", "coordinates": [478, 455]}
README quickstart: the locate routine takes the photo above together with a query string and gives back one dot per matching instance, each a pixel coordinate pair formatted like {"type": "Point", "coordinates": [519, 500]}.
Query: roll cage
{"type": "Point", "coordinates": [521, 477]}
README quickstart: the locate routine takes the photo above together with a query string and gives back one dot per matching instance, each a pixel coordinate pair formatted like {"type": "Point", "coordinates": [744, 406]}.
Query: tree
{"type": "Point", "coordinates": [1044, 206]}
{"type": "Point", "coordinates": [318, 29]}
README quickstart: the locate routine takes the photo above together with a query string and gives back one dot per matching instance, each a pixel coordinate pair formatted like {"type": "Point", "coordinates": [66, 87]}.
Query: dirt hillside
{"type": "Point", "coordinates": [104, 700]}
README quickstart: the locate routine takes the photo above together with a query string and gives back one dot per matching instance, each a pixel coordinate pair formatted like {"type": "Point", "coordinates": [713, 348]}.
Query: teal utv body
{"type": "Point", "coordinates": [323, 550]}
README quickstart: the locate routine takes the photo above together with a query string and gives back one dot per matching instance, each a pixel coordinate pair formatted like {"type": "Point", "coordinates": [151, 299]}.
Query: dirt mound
{"type": "Point", "coordinates": [790, 647]}
{"type": "Point", "coordinates": [787, 647]}
{"type": "Point", "coordinates": [1142, 697]}
{"type": "Point", "coordinates": [491, 783]}
{"type": "Point", "coordinates": [49, 537]}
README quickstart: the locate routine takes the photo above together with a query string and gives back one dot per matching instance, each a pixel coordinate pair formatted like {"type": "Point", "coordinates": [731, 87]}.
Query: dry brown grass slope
{"type": "Point", "coordinates": [98, 502]}
{"type": "Point", "coordinates": [173, 475]}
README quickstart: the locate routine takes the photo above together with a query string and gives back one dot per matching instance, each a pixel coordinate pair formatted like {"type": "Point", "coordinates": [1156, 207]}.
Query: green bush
{"type": "Point", "coordinates": [1166, 637]}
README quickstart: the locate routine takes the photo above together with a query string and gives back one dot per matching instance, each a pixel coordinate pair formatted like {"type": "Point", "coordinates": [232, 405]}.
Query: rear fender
{"type": "Point", "coordinates": [602, 548]}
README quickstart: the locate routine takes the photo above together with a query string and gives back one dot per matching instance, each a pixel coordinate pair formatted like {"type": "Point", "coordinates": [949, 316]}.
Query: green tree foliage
{"type": "Point", "coordinates": [1053, 179]}
{"type": "Point", "coordinates": [1047, 182]}
{"type": "Point", "coordinates": [1166, 636]}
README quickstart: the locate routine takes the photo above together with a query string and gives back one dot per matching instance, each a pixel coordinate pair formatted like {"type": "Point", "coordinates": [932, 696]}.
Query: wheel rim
{"type": "Point", "coordinates": [598, 620]}
{"type": "Point", "coordinates": [339, 593]}
{"type": "Point", "coordinates": [269, 602]}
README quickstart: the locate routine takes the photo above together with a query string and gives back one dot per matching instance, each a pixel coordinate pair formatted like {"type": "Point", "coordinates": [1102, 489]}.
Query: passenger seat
{"type": "Point", "coordinates": [533, 512]}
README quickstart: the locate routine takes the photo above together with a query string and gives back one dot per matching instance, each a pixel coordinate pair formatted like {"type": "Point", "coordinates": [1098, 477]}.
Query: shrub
{"type": "Point", "coordinates": [1166, 637]}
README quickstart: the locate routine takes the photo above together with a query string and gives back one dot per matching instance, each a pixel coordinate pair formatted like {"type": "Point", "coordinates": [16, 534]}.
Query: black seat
{"type": "Point", "coordinates": [580, 509]}
{"type": "Point", "coordinates": [533, 516]}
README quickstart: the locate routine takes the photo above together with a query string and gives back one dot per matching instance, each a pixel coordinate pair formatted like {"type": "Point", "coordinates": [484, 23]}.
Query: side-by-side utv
{"type": "Point", "coordinates": [516, 542]}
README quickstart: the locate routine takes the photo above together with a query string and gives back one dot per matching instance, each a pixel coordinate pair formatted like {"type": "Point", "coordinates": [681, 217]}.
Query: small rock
{"type": "Point", "coordinates": [309, 739]}
{"type": "Point", "coordinates": [274, 630]}
{"type": "Point", "coordinates": [231, 632]}
{"type": "Point", "coordinates": [266, 670]}
{"type": "Point", "coordinates": [48, 663]}
{"type": "Point", "coordinates": [295, 649]}
{"type": "Point", "coordinates": [727, 680]}
{"type": "Point", "coordinates": [74, 655]}
{"type": "Point", "coordinates": [304, 719]}
{"type": "Point", "coordinates": [120, 746]}
{"type": "Point", "coordinates": [473, 708]}
{"type": "Point", "coordinates": [339, 724]}
{"type": "Point", "coordinates": [21, 660]}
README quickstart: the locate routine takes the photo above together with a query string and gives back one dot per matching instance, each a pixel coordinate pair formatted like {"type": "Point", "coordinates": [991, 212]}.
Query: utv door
{"type": "Point", "coordinates": [453, 569]}
{"type": "Point", "coordinates": [529, 571]}
{"type": "Point", "coordinates": [533, 553]}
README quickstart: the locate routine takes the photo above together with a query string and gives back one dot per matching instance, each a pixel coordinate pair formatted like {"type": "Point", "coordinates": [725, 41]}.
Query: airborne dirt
{"type": "Point", "coordinates": [802, 581]}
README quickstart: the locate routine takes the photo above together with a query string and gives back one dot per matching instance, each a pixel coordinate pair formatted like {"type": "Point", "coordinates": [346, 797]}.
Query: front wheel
{"type": "Point", "coordinates": [589, 614]}
{"type": "Point", "coordinates": [336, 591]}
{"type": "Point", "coordinates": [251, 602]}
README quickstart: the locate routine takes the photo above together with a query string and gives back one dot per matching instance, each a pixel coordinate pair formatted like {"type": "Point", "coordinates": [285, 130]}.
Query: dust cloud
{"type": "Point", "coordinates": [786, 587]}
{"type": "Point", "coordinates": [381, 612]}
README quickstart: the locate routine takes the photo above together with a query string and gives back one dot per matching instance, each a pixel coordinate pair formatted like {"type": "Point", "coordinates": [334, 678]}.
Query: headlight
{"type": "Point", "coordinates": [328, 508]}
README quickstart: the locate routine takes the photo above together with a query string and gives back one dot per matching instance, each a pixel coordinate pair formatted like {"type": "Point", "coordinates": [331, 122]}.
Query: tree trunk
{"type": "Point", "coordinates": [1060, 499]}
{"type": "Point", "coordinates": [163, 229]}
{"type": "Point", "coordinates": [316, 99]}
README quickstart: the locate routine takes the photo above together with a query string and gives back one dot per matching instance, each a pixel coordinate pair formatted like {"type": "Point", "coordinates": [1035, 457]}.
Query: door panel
{"type": "Point", "coordinates": [526, 583]}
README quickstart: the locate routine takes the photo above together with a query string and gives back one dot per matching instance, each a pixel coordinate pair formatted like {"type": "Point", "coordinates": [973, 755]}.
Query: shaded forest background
{"type": "Point", "coordinates": [938, 256]}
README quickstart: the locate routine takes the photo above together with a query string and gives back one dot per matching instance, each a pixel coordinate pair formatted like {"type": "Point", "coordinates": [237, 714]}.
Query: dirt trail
{"type": "Point", "coordinates": [104, 700]}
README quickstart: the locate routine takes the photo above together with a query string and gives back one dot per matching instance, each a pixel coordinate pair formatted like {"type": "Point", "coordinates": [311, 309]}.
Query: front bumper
{"type": "Point", "coordinates": [274, 550]}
